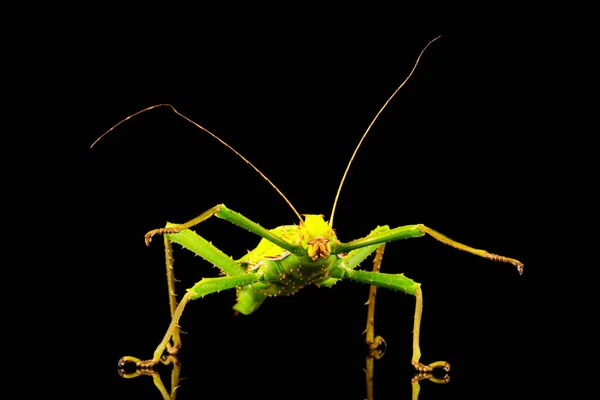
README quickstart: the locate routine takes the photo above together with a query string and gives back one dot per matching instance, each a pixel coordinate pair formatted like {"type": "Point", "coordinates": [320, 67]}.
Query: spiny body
{"type": "Point", "coordinates": [285, 273]}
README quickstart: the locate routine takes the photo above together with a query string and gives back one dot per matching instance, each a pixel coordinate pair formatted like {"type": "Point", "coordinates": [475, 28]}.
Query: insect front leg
{"type": "Point", "coordinates": [412, 231]}
{"type": "Point", "coordinates": [221, 211]}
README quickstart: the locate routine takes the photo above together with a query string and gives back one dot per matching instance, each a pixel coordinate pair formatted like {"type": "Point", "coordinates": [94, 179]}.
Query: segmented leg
{"type": "Point", "coordinates": [166, 395]}
{"type": "Point", "coordinates": [398, 282]}
{"type": "Point", "coordinates": [200, 289]}
{"type": "Point", "coordinates": [416, 335]}
{"type": "Point", "coordinates": [181, 234]}
{"type": "Point", "coordinates": [411, 231]}
{"type": "Point", "coordinates": [175, 344]}
{"type": "Point", "coordinates": [235, 218]}
{"type": "Point", "coordinates": [416, 387]}
{"type": "Point", "coordinates": [374, 342]}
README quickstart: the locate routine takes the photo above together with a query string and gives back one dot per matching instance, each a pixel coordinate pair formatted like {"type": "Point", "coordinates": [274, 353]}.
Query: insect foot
{"type": "Point", "coordinates": [159, 231]}
{"type": "Point", "coordinates": [143, 368]}
{"type": "Point", "coordinates": [139, 364]}
{"type": "Point", "coordinates": [377, 347]}
{"type": "Point", "coordinates": [496, 257]}
{"type": "Point", "coordinates": [429, 368]}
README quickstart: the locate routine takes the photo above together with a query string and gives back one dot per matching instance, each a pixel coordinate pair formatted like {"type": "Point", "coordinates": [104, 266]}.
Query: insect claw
{"type": "Point", "coordinates": [519, 266]}
{"type": "Point", "coordinates": [148, 239]}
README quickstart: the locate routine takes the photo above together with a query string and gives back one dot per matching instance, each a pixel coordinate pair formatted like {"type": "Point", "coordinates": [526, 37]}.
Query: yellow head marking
{"type": "Point", "coordinates": [315, 225]}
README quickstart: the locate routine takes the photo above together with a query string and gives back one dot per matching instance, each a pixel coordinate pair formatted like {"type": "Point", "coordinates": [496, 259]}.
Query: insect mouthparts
{"type": "Point", "coordinates": [319, 247]}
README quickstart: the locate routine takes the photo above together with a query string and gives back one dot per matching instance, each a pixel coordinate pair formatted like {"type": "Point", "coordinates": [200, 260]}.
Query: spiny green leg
{"type": "Point", "coordinates": [398, 282]}
{"type": "Point", "coordinates": [411, 231]}
{"type": "Point", "coordinates": [237, 276]}
{"type": "Point", "coordinates": [235, 218]}
{"type": "Point", "coordinates": [200, 289]}
{"type": "Point", "coordinates": [179, 233]}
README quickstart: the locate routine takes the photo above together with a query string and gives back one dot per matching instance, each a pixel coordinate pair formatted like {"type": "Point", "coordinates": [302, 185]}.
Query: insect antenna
{"type": "Point", "coordinates": [211, 134]}
{"type": "Point", "coordinates": [337, 195]}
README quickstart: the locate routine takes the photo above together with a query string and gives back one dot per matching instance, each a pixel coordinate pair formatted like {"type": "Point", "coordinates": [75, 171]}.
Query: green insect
{"type": "Point", "coordinates": [289, 258]}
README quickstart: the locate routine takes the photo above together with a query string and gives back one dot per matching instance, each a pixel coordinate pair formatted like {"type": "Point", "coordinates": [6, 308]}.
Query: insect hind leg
{"type": "Point", "coordinates": [199, 290]}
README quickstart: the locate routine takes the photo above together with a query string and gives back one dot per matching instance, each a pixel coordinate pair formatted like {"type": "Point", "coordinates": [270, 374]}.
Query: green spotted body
{"type": "Point", "coordinates": [283, 276]}
{"type": "Point", "coordinates": [282, 272]}
{"type": "Point", "coordinates": [305, 254]}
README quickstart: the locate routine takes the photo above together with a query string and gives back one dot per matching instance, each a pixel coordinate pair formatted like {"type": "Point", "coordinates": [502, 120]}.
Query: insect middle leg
{"type": "Point", "coordinates": [345, 270]}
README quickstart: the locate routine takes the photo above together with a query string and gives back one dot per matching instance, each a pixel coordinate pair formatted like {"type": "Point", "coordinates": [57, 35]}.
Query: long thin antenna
{"type": "Point", "coordinates": [211, 134]}
{"type": "Point", "coordinates": [337, 195]}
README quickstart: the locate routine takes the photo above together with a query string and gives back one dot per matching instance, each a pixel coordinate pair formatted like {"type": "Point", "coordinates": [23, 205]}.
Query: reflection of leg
{"type": "Point", "coordinates": [156, 377]}
{"type": "Point", "coordinates": [416, 388]}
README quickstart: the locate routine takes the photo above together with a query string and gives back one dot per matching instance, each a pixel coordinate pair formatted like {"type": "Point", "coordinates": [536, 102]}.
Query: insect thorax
{"type": "Point", "coordinates": [286, 273]}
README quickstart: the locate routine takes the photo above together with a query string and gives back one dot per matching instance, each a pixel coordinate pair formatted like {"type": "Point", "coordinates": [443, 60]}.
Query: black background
{"type": "Point", "coordinates": [294, 98]}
